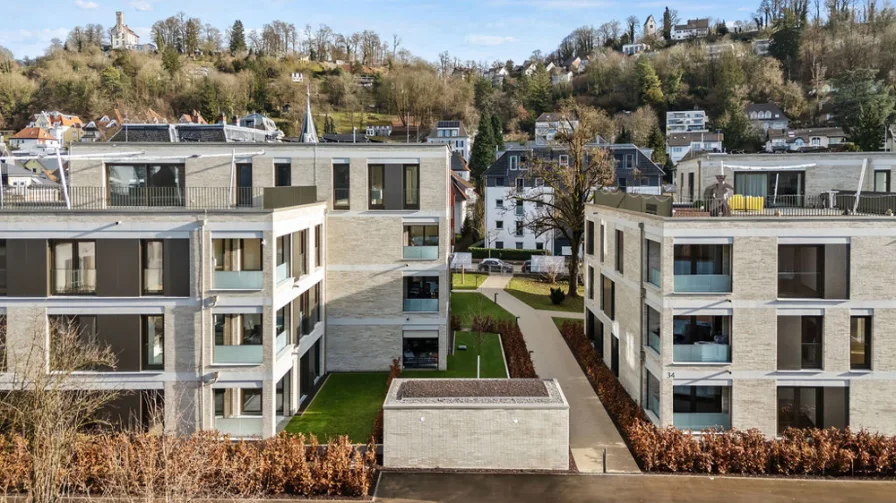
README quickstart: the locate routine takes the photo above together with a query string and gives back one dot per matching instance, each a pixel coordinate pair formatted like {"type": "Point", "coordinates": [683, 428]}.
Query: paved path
{"type": "Point", "coordinates": [590, 430]}
{"type": "Point", "coordinates": [398, 487]}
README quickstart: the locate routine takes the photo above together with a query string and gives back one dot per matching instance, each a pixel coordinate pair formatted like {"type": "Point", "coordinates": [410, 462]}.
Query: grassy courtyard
{"type": "Point", "coordinates": [467, 305]}
{"type": "Point", "coordinates": [536, 294]}
{"type": "Point", "coordinates": [346, 405]}
{"type": "Point", "coordinates": [467, 281]}
{"type": "Point", "coordinates": [463, 363]}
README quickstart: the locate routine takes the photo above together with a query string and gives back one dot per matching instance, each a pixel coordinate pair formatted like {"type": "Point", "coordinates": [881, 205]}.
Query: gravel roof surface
{"type": "Point", "coordinates": [453, 388]}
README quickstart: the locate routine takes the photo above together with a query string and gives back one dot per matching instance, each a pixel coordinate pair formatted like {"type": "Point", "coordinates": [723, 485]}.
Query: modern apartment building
{"type": "Point", "coordinates": [453, 134]}
{"type": "Point", "coordinates": [685, 121]}
{"type": "Point", "coordinates": [228, 278]}
{"type": "Point", "coordinates": [772, 318]}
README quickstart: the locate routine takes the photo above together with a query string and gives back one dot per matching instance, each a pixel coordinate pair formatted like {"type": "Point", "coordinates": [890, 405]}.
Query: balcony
{"type": "Point", "coordinates": [74, 281]}
{"type": "Point", "coordinates": [703, 283]}
{"type": "Point", "coordinates": [245, 354]}
{"type": "Point", "coordinates": [239, 427]}
{"type": "Point", "coordinates": [701, 353]}
{"type": "Point", "coordinates": [282, 272]}
{"type": "Point", "coordinates": [421, 305]}
{"type": "Point", "coordinates": [702, 420]}
{"type": "Point", "coordinates": [282, 340]}
{"type": "Point", "coordinates": [421, 252]}
{"type": "Point", "coordinates": [239, 280]}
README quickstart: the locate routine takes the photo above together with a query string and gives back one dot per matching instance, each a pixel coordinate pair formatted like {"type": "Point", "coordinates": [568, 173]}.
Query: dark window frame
{"type": "Point", "coordinates": [370, 171]}
{"type": "Point", "coordinates": [282, 173]}
{"type": "Point", "coordinates": [415, 204]}
{"type": "Point", "coordinates": [144, 258]}
{"type": "Point", "coordinates": [620, 251]}
{"type": "Point", "coordinates": [251, 391]}
{"type": "Point", "coordinates": [868, 337]}
{"type": "Point", "coordinates": [76, 264]}
{"type": "Point", "coordinates": [589, 237]}
{"type": "Point", "coordinates": [336, 186]}
{"type": "Point", "coordinates": [608, 296]}
{"type": "Point", "coordinates": [145, 321]}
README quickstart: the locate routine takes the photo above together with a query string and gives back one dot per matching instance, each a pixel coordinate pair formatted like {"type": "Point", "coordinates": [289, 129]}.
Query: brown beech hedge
{"type": "Point", "coordinates": [818, 452]}
{"type": "Point", "coordinates": [142, 465]}
{"type": "Point", "coordinates": [519, 361]}
{"type": "Point", "coordinates": [394, 373]}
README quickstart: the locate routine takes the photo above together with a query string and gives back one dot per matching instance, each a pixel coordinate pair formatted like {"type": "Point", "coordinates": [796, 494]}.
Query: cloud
{"type": "Point", "coordinates": [82, 4]}
{"type": "Point", "coordinates": [487, 40]}
{"type": "Point", "coordinates": [141, 5]}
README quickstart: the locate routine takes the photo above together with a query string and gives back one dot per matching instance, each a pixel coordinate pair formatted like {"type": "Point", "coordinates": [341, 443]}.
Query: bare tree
{"type": "Point", "coordinates": [564, 190]}
{"type": "Point", "coordinates": [44, 403]}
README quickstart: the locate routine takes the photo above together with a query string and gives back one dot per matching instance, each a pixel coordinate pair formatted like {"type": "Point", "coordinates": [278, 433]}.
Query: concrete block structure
{"type": "Point", "coordinates": [228, 278]}
{"type": "Point", "coordinates": [525, 431]}
{"type": "Point", "coordinates": [756, 319]}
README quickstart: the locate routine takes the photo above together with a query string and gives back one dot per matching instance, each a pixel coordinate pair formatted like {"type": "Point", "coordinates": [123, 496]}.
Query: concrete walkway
{"type": "Point", "coordinates": [396, 487]}
{"type": "Point", "coordinates": [590, 430]}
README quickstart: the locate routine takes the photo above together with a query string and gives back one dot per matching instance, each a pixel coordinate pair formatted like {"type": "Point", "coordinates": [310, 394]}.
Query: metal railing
{"type": "Point", "coordinates": [100, 198]}
{"type": "Point", "coordinates": [828, 204]}
{"type": "Point", "coordinates": [74, 281]}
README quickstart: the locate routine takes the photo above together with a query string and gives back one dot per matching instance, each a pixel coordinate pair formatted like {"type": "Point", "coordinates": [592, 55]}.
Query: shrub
{"type": "Point", "coordinates": [557, 296]}
{"type": "Point", "coordinates": [504, 253]}
{"type": "Point", "coordinates": [394, 373]}
{"type": "Point", "coordinates": [455, 322]}
{"type": "Point", "coordinates": [829, 452]}
{"type": "Point", "coordinates": [519, 361]}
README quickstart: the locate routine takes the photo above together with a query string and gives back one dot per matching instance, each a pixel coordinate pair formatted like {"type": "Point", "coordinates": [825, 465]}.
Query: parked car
{"type": "Point", "coordinates": [527, 266]}
{"type": "Point", "coordinates": [495, 264]}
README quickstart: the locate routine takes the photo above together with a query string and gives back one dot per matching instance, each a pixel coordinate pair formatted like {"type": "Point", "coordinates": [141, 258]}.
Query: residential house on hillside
{"type": "Point", "coordinates": [678, 145]}
{"type": "Point", "coordinates": [547, 125]}
{"type": "Point", "coordinates": [529, 68]}
{"type": "Point", "coordinates": [464, 191]}
{"type": "Point", "coordinates": [550, 66]}
{"type": "Point", "coordinates": [378, 128]}
{"type": "Point", "coordinates": [694, 28]}
{"type": "Point", "coordinates": [453, 134]}
{"type": "Point", "coordinates": [262, 123]}
{"type": "Point", "coordinates": [576, 64]}
{"type": "Point", "coordinates": [506, 218]}
{"type": "Point", "coordinates": [798, 140]}
{"type": "Point", "coordinates": [17, 178]}
{"type": "Point", "coordinates": [497, 75]}
{"type": "Point", "coordinates": [561, 77]}
{"type": "Point", "coordinates": [683, 121]}
{"type": "Point", "coordinates": [193, 117]}
{"type": "Point", "coordinates": [34, 140]}
{"type": "Point", "coordinates": [765, 116]}
{"type": "Point", "coordinates": [123, 37]}
{"type": "Point", "coordinates": [649, 26]}
{"type": "Point", "coordinates": [632, 49]}
{"type": "Point", "coordinates": [65, 128]}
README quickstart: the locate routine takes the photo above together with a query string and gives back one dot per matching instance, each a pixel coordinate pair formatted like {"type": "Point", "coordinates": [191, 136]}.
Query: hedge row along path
{"type": "Point", "coordinates": [590, 428]}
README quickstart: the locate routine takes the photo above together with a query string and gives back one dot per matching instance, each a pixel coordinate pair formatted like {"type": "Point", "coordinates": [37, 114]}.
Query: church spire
{"type": "Point", "coordinates": [309, 133]}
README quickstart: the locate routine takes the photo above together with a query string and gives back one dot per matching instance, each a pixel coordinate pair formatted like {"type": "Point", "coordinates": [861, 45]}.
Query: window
{"type": "Point", "coordinates": [564, 160]}
{"type": "Point", "coordinates": [499, 245]}
{"type": "Point", "coordinates": [514, 161]}
{"type": "Point", "coordinates": [602, 243]}
{"type": "Point", "coordinates": [283, 395]}
{"type": "Point", "coordinates": [860, 343]}
{"type": "Point", "coordinates": [520, 184]}
{"type": "Point", "coordinates": [813, 271]}
{"type": "Point", "coordinates": [153, 342]}
{"type": "Point", "coordinates": [881, 181]}
{"type": "Point", "coordinates": [499, 203]}
{"type": "Point", "coordinates": [518, 231]}
{"type": "Point", "coordinates": [701, 339]}
{"type": "Point", "coordinates": [341, 181]}
{"type": "Point", "coordinates": [620, 249]}
{"type": "Point", "coordinates": [420, 352]}
{"type": "Point", "coordinates": [376, 183]}
{"type": "Point", "coordinates": [608, 297]}
{"type": "Point", "coordinates": [421, 293]}
{"type": "Point", "coordinates": [499, 224]}
{"type": "Point", "coordinates": [499, 181]}
{"type": "Point", "coordinates": [654, 263]}
{"type": "Point", "coordinates": [519, 245]}
{"type": "Point", "coordinates": [2, 343]}
{"type": "Point", "coordinates": [800, 342]}
{"type": "Point", "coordinates": [653, 394]}
{"type": "Point", "coordinates": [519, 208]}
{"type": "Point", "coordinates": [220, 399]}
{"type": "Point", "coordinates": [702, 268]}
{"type": "Point", "coordinates": [539, 182]}
{"type": "Point", "coordinates": [146, 184]}
{"type": "Point", "coordinates": [74, 267]}
{"type": "Point", "coordinates": [2, 269]}
{"type": "Point", "coordinates": [318, 239]}
{"type": "Point", "coordinates": [701, 407]}
{"type": "Point", "coordinates": [250, 401]}
{"type": "Point", "coordinates": [539, 245]}
{"type": "Point", "coordinates": [804, 407]}
{"type": "Point", "coordinates": [411, 187]}
{"type": "Point", "coordinates": [282, 175]}
{"type": "Point", "coordinates": [153, 271]}
{"type": "Point", "coordinates": [589, 237]}
{"type": "Point", "coordinates": [590, 282]}
{"type": "Point", "coordinates": [237, 254]}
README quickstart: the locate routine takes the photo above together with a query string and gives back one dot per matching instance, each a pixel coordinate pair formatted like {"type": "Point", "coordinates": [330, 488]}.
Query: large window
{"type": "Point", "coordinates": [318, 245]}
{"type": "Point", "coordinates": [701, 407]}
{"type": "Point", "coordinates": [420, 352]}
{"type": "Point", "coordinates": [74, 267]}
{"type": "Point", "coordinates": [153, 270]}
{"type": "Point", "coordinates": [153, 342]}
{"type": "Point", "coordinates": [701, 339]}
{"type": "Point", "coordinates": [881, 181]}
{"type": "Point", "coordinates": [411, 187]}
{"type": "Point", "coordinates": [238, 264]}
{"type": "Point", "coordinates": [800, 342]}
{"type": "Point", "coordinates": [608, 297]}
{"type": "Point", "coordinates": [421, 242]}
{"type": "Point", "coordinates": [238, 338]}
{"type": "Point", "coordinates": [602, 243]}
{"type": "Point", "coordinates": [813, 271]}
{"type": "Point", "coordinates": [590, 282]}
{"type": "Point", "coordinates": [620, 251]}
{"type": "Point", "coordinates": [146, 184]}
{"type": "Point", "coordinates": [376, 184]}
{"type": "Point", "coordinates": [589, 237]}
{"type": "Point", "coordinates": [250, 402]}
{"type": "Point", "coordinates": [2, 343]}
{"type": "Point", "coordinates": [283, 257]}
{"type": "Point", "coordinates": [653, 394]}
{"type": "Point", "coordinates": [282, 322]}
{"type": "Point", "coordinates": [653, 328]}
{"type": "Point", "coordinates": [802, 407]}
{"type": "Point", "coordinates": [779, 188]}
{"type": "Point", "coordinates": [702, 268]}
{"type": "Point", "coordinates": [654, 263]}
{"type": "Point", "coordinates": [421, 293]}
{"type": "Point", "coordinates": [341, 184]}
{"type": "Point", "coordinates": [282, 175]}
{"type": "Point", "coordinates": [860, 343]}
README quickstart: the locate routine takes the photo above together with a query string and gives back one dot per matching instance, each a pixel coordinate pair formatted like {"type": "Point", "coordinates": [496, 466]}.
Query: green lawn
{"type": "Point", "coordinates": [346, 405]}
{"type": "Point", "coordinates": [536, 293]}
{"type": "Point", "coordinates": [559, 321]}
{"type": "Point", "coordinates": [467, 305]}
{"type": "Point", "coordinates": [467, 280]}
{"type": "Point", "coordinates": [463, 363]}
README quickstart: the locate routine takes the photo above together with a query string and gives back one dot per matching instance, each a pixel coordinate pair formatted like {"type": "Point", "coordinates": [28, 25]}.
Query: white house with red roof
{"type": "Point", "coordinates": [33, 140]}
{"type": "Point", "coordinates": [122, 36]}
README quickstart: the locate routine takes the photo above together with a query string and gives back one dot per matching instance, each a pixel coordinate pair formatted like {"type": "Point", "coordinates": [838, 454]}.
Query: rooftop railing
{"type": "Point", "coordinates": [825, 205]}
{"type": "Point", "coordinates": [143, 198]}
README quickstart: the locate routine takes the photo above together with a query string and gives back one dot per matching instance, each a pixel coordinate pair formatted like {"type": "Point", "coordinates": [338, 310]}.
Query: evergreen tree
{"type": "Point", "coordinates": [540, 91]}
{"type": "Point", "coordinates": [171, 61]}
{"type": "Point", "coordinates": [624, 136]}
{"type": "Point", "coordinates": [657, 142]}
{"type": "Point", "coordinates": [785, 41]}
{"type": "Point", "coordinates": [483, 154]}
{"type": "Point", "coordinates": [191, 36]}
{"type": "Point", "coordinates": [867, 134]}
{"type": "Point", "coordinates": [208, 100]}
{"type": "Point", "coordinates": [729, 78]}
{"type": "Point", "coordinates": [237, 37]}
{"type": "Point", "coordinates": [667, 24]}
{"type": "Point", "coordinates": [738, 129]}
{"type": "Point", "coordinates": [859, 90]}
{"type": "Point", "coordinates": [649, 86]}
{"type": "Point", "coordinates": [497, 132]}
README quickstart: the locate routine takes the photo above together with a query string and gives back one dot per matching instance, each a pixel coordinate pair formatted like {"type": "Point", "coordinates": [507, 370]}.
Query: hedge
{"type": "Point", "coordinates": [819, 452]}
{"type": "Point", "coordinates": [519, 361]}
{"type": "Point", "coordinates": [505, 253]}
{"type": "Point", "coordinates": [183, 468]}
{"type": "Point", "coordinates": [394, 373]}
